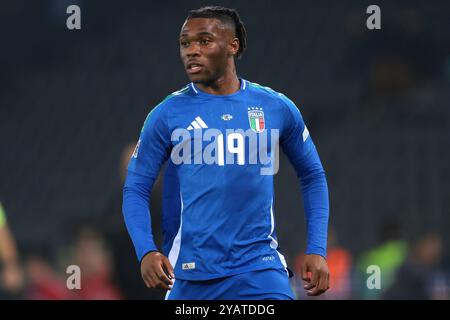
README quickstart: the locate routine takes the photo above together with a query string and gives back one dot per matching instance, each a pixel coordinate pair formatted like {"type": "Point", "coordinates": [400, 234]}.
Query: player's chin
{"type": "Point", "coordinates": [198, 77]}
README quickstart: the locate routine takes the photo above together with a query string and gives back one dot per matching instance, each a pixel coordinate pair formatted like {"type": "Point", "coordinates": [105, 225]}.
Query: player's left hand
{"type": "Point", "coordinates": [315, 272]}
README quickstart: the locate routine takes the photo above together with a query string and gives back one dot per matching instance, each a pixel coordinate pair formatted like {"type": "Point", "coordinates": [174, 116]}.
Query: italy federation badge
{"type": "Point", "coordinates": [256, 119]}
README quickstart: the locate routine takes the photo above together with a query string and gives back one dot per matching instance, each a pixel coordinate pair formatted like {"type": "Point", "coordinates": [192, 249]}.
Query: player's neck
{"type": "Point", "coordinates": [227, 84]}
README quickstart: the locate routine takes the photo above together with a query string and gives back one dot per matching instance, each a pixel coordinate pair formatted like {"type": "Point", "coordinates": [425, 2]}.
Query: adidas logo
{"type": "Point", "coordinates": [198, 123]}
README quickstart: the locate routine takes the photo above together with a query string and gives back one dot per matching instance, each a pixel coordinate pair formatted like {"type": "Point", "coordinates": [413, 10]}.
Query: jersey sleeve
{"type": "Point", "coordinates": [152, 150]}
{"type": "Point", "coordinates": [297, 144]}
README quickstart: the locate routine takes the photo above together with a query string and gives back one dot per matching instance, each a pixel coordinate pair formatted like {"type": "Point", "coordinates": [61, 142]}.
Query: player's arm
{"type": "Point", "coordinates": [152, 150]}
{"type": "Point", "coordinates": [301, 151]}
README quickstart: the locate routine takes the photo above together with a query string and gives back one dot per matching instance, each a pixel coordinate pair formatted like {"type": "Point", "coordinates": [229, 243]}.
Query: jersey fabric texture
{"type": "Point", "coordinates": [218, 217]}
{"type": "Point", "coordinates": [269, 284]}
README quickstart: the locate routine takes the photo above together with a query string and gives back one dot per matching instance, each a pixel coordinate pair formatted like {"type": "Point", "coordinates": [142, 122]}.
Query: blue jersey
{"type": "Point", "coordinates": [219, 192]}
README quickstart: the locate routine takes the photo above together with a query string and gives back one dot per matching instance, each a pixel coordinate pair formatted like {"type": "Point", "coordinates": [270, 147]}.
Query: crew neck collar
{"type": "Point", "coordinates": [198, 91]}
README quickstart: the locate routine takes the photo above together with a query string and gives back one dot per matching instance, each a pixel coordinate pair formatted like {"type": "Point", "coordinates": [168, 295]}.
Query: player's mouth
{"type": "Point", "coordinates": [194, 68]}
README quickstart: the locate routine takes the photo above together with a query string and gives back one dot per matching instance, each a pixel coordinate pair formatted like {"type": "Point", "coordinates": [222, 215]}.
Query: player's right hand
{"type": "Point", "coordinates": [156, 271]}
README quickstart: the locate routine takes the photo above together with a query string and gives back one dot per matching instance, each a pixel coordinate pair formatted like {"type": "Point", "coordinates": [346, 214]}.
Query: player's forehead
{"type": "Point", "coordinates": [197, 26]}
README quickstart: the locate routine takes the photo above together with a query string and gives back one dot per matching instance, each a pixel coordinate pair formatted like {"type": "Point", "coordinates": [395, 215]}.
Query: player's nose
{"type": "Point", "coordinates": [192, 51]}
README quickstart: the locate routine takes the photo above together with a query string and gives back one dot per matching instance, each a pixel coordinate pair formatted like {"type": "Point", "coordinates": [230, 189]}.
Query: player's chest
{"type": "Point", "coordinates": [235, 133]}
{"type": "Point", "coordinates": [226, 115]}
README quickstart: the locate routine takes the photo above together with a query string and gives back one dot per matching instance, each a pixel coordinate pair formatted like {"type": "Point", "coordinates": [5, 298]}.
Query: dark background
{"type": "Point", "coordinates": [376, 103]}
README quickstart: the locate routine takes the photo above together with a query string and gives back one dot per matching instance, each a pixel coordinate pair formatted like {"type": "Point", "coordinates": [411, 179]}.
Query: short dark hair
{"type": "Point", "coordinates": [225, 15]}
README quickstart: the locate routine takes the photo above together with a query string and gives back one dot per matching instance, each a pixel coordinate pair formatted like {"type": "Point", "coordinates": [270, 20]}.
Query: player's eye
{"type": "Point", "coordinates": [184, 44]}
{"type": "Point", "coordinates": [205, 41]}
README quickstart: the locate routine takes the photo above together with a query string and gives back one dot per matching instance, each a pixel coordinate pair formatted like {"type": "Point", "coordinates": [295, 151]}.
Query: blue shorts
{"type": "Point", "coordinates": [268, 284]}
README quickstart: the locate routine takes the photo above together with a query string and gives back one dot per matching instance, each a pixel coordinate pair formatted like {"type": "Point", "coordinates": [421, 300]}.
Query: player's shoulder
{"type": "Point", "coordinates": [176, 96]}
{"type": "Point", "coordinates": [266, 91]}
{"type": "Point", "coordinates": [272, 95]}
{"type": "Point", "coordinates": [171, 100]}
{"type": "Point", "coordinates": [165, 106]}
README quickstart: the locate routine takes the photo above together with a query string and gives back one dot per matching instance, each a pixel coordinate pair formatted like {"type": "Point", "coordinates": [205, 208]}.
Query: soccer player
{"type": "Point", "coordinates": [221, 243]}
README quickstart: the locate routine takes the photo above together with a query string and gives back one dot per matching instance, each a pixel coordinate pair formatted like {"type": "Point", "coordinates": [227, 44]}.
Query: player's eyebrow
{"type": "Point", "coordinates": [202, 33]}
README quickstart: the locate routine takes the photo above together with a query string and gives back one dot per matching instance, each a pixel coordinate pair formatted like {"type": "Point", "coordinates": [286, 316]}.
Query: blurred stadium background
{"type": "Point", "coordinates": [377, 103]}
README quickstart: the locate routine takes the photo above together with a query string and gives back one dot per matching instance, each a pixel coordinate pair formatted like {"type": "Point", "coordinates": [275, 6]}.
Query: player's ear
{"type": "Point", "coordinates": [234, 46]}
